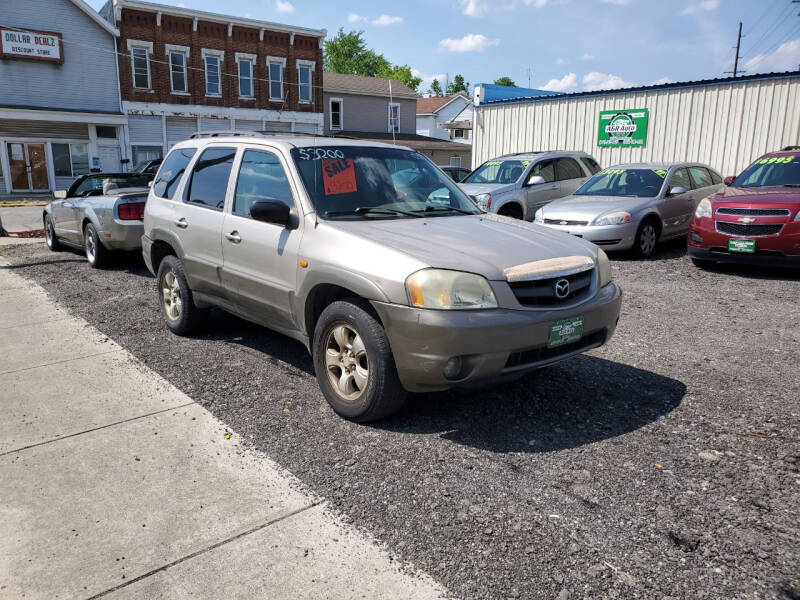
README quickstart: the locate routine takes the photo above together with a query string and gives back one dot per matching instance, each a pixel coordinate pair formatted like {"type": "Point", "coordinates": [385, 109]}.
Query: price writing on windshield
{"type": "Point", "coordinates": [776, 160]}
{"type": "Point", "coordinates": [319, 153]}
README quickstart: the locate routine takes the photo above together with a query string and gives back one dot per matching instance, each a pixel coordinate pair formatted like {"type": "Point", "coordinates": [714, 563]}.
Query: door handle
{"type": "Point", "coordinates": [233, 237]}
{"type": "Point", "coordinates": [181, 223]}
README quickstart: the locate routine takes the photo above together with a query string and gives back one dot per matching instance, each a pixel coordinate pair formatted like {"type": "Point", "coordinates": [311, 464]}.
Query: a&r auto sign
{"type": "Point", "coordinates": [623, 127]}
{"type": "Point", "coordinates": [35, 45]}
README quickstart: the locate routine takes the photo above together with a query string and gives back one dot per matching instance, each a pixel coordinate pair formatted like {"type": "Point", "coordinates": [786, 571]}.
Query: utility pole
{"type": "Point", "coordinates": [737, 57]}
{"type": "Point", "coordinates": [529, 75]}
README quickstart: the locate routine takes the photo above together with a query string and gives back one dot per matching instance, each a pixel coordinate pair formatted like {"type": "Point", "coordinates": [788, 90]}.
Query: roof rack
{"type": "Point", "coordinates": [790, 148]}
{"type": "Point", "coordinates": [260, 133]}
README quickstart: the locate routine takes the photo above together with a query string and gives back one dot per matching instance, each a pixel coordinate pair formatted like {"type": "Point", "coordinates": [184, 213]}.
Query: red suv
{"type": "Point", "coordinates": [755, 219]}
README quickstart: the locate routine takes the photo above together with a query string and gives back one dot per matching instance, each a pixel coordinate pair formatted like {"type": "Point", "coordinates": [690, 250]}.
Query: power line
{"type": "Point", "coordinates": [737, 57]}
{"type": "Point", "coordinates": [766, 54]}
{"type": "Point", "coordinates": [782, 17]}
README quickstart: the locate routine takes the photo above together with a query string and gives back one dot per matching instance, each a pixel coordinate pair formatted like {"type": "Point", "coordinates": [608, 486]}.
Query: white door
{"type": "Point", "coordinates": [109, 159]}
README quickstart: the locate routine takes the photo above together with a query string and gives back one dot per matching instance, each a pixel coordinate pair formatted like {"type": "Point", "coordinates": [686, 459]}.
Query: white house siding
{"type": "Point", "coordinates": [725, 125]}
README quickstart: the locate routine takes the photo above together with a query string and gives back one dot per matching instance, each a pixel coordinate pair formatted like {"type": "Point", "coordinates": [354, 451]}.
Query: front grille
{"type": "Point", "coordinates": [565, 223]}
{"type": "Point", "coordinates": [542, 292]}
{"type": "Point", "coordinates": [542, 354]}
{"type": "Point", "coordinates": [748, 230]}
{"type": "Point", "coordinates": [755, 212]}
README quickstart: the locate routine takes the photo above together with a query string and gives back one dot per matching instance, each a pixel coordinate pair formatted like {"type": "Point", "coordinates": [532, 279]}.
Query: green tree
{"type": "Point", "coordinates": [436, 88]}
{"type": "Point", "coordinates": [348, 53]}
{"type": "Point", "coordinates": [507, 81]}
{"type": "Point", "coordinates": [458, 85]}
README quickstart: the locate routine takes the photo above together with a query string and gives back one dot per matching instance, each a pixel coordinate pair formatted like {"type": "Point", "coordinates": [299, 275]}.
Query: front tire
{"type": "Point", "coordinates": [96, 254]}
{"type": "Point", "coordinates": [50, 235]}
{"type": "Point", "coordinates": [511, 210]}
{"type": "Point", "coordinates": [175, 298]}
{"type": "Point", "coordinates": [646, 238]}
{"type": "Point", "coordinates": [354, 364]}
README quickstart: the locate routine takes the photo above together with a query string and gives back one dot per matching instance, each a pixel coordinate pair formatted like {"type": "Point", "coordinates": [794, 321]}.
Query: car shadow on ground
{"type": "Point", "coordinates": [580, 401]}
{"type": "Point", "coordinates": [754, 271]}
{"type": "Point", "coordinates": [669, 250]}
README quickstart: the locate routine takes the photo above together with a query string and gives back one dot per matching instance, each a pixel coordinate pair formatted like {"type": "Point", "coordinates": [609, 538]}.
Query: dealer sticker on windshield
{"type": "Point", "coordinates": [748, 246]}
{"type": "Point", "coordinates": [565, 331]}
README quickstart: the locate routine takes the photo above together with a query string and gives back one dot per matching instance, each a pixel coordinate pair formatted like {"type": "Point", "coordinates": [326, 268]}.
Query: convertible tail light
{"type": "Point", "coordinates": [131, 211]}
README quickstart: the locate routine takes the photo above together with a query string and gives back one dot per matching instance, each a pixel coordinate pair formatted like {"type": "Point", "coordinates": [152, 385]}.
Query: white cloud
{"type": "Point", "coordinates": [536, 3]}
{"type": "Point", "coordinates": [473, 42]}
{"type": "Point", "coordinates": [560, 61]}
{"type": "Point", "coordinates": [284, 7]}
{"type": "Point", "coordinates": [587, 56]}
{"type": "Point", "coordinates": [566, 83]}
{"type": "Point", "coordinates": [785, 58]}
{"type": "Point", "coordinates": [427, 79]}
{"type": "Point", "coordinates": [355, 18]}
{"type": "Point", "coordinates": [385, 20]}
{"type": "Point", "coordinates": [700, 6]}
{"type": "Point", "coordinates": [617, 2]}
{"type": "Point", "coordinates": [662, 81]}
{"type": "Point", "coordinates": [480, 8]}
{"type": "Point", "coordinates": [604, 81]}
{"type": "Point", "coordinates": [474, 8]}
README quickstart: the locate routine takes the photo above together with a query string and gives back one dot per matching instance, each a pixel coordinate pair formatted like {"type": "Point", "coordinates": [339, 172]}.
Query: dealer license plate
{"type": "Point", "coordinates": [565, 331]}
{"type": "Point", "coordinates": [748, 246]}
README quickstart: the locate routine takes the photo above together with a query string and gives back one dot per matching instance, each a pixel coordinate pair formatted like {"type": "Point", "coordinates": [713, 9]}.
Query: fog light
{"type": "Point", "coordinates": [452, 368]}
{"type": "Point", "coordinates": [696, 237]}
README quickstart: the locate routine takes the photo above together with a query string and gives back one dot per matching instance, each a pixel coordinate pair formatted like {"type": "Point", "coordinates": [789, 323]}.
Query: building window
{"type": "Point", "coordinates": [304, 80]}
{"type": "Point", "coordinates": [106, 131]}
{"type": "Point", "coordinates": [140, 63]}
{"type": "Point", "coordinates": [245, 64]}
{"type": "Point", "coordinates": [212, 59]}
{"type": "Point", "coordinates": [336, 114]}
{"type": "Point", "coordinates": [70, 160]}
{"type": "Point", "coordinates": [144, 153]}
{"type": "Point", "coordinates": [276, 66]}
{"type": "Point", "coordinates": [455, 160]}
{"type": "Point", "coordinates": [458, 134]}
{"type": "Point", "coordinates": [394, 117]}
{"type": "Point", "coordinates": [178, 68]}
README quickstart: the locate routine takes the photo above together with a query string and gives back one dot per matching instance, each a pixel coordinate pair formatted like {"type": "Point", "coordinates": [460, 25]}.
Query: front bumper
{"type": "Point", "coordinates": [782, 249]}
{"type": "Point", "coordinates": [492, 344]}
{"type": "Point", "coordinates": [608, 237]}
{"type": "Point", "coordinates": [122, 235]}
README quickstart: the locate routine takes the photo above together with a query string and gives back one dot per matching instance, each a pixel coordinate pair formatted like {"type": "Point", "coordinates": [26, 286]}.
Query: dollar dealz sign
{"type": "Point", "coordinates": [36, 45]}
{"type": "Point", "coordinates": [623, 127]}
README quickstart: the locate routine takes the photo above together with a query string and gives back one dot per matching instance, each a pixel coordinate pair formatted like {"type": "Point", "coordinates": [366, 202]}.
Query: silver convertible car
{"type": "Point", "coordinates": [633, 206]}
{"type": "Point", "coordinates": [100, 213]}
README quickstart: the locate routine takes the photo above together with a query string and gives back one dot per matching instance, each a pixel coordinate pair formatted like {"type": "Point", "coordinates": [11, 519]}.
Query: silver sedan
{"type": "Point", "coordinates": [633, 206]}
{"type": "Point", "coordinates": [100, 213]}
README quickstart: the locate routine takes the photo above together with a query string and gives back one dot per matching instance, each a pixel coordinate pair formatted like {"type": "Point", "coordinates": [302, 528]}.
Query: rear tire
{"type": "Point", "coordinates": [50, 235]}
{"type": "Point", "coordinates": [646, 238]}
{"type": "Point", "coordinates": [175, 298]}
{"type": "Point", "coordinates": [511, 210]}
{"type": "Point", "coordinates": [96, 254]}
{"type": "Point", "coordinates": [354, 364]}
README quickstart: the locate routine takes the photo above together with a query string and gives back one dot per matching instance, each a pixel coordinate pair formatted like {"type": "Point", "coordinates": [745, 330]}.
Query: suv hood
{"type": "Point", "coordinates": [474, 189]}
{"type": "Point", "coordinates": [485, 244]}
{"type": "Point", "coordinates": [587, 208]}
{"type": "Point", "coordinates": [758, 195]}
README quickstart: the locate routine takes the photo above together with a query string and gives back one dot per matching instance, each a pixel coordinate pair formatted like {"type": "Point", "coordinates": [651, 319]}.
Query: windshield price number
{"type": "Point", "coordinates": [319, 153]}
{"type": "Point", "coordinates": [776, 160]}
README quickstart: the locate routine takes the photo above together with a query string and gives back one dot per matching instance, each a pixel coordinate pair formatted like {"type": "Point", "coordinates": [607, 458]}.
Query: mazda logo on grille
{"type": "Point", "coordinates": [562, 288]}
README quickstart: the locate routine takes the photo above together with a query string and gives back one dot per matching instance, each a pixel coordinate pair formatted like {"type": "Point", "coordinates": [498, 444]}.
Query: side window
{"type": "Point", "coordinates": [701, 177]}
{"type": "Point", "coordinates": [567, 168]}
{"type": "Point", "coordinates": [680, 178]}
{"type": "Point", "coordinates": [591, 165]}
{"type": "Point", "coordinates": [210, 176]}
{"type": "Point", "coordinates": [168, 178]}
{"type": "Point", "coordinates": [261, 177]}
{"type": "Point", "coordinates": [715, 177]}
{"type": "Point", "coordinates": [545, 169]}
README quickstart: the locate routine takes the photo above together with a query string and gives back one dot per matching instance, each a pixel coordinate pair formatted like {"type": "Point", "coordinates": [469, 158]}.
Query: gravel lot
{"type": "Point", "coordinates": [665, 465]}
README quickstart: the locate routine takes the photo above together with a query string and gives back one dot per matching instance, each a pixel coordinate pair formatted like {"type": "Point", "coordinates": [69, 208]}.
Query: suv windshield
{"type": "Point", "coordinates": [774, 171]}
{"type": "Point", "coordinates": [498, 171]}
{"type": "Point", "coordinates": [94, 184]}
{"type": "Point", "coordinates": [361, 182]}
{"type": "Point", "coordinates": [641, 183]}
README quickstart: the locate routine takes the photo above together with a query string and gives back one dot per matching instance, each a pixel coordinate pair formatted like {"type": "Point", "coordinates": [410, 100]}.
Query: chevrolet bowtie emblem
{"type": "Point", "coordinates": [746, 220]}
{"type": "Point", "coordinates": [562, 222]}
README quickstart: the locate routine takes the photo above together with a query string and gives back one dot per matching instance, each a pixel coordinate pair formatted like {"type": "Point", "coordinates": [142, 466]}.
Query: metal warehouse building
{"type": "Point", "coordinates": [725, 123]}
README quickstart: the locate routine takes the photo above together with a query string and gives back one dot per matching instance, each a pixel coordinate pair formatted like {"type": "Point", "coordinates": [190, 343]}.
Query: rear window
{"type": "Point", "coordinates": [171, 171]}
{"type": "Point", "coordinates": [591, 164]}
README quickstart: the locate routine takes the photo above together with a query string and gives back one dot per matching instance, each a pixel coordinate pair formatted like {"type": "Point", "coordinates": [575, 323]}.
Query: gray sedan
{"type": "Point", "coordinates": [633, 206]}
{"type": "Point", "coordinates": [100, 213]}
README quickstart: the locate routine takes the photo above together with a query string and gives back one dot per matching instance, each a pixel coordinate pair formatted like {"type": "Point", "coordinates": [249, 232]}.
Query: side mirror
{"type": "Point", "coordinates": [535, 180]}
{"type": "Point", "coordinates": [150, 183]}
{"type": "Point", "coordinates": [60, 194]}
{"type": "Point", "coordinates": [729, 180]}
{"type": "Point", "coordinates": [677, 191]}
{"type": "Point", "coordinates": [271, 211]}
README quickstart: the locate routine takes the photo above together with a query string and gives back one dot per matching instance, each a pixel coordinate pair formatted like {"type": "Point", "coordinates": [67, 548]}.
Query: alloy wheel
{"type": "Point", "coordinates": [346, 362]}
{"type": "Point", "coordinates": [171, 295]}
{"type": "Point", "coordinates": [647, 241]}
{"type": "Point", "coordinates": [90, 246]}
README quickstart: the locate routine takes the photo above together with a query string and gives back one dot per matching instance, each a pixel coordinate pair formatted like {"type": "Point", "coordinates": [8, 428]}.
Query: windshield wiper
{"type": "Point", "coordinates": [363, 210]}
{"type": "Point", "coordinates": [429, 209]}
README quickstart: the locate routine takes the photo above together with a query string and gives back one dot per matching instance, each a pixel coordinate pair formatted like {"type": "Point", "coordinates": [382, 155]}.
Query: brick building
{"type": "Point", "coordinates": [184, 70]}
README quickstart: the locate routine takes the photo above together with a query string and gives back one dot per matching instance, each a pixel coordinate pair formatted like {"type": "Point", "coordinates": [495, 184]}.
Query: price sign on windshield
{"type": "Point", "coordinates": [339, 176]}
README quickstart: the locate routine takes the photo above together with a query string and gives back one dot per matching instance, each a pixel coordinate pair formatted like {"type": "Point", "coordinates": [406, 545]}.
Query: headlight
{"type": "Point", "coordinates": [615, 218]}
{"type": "Point", "coordinates": [484, 201]}
{"type": "Point", "coordinates": [703, 208]}
{"type": "Point", "coordinates": [441, 289]}
{"type": "Point", "coordinates": [797, 216]}
{"type": "Point", "coordinates": [538, 216]}
{"type": "Point", "coordinates": [603, 268]}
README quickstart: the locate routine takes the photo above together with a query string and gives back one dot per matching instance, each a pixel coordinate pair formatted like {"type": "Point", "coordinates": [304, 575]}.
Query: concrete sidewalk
{"type": "Point", "coordinates": [115, 484]}
{"type": "Point", "coordinates": [22, 218]}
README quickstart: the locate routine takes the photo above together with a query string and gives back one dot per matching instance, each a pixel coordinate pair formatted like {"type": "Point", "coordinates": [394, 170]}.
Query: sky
{"type": "Point", "coordinates": [559, 45]}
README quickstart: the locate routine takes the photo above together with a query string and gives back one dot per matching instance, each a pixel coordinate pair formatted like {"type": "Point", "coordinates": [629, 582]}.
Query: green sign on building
{"type": "Point", "coordinates": [623, 127]}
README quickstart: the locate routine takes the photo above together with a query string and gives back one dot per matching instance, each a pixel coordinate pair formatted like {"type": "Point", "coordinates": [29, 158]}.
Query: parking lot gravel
{"type": "Point", "coordinates": [664, 465]}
